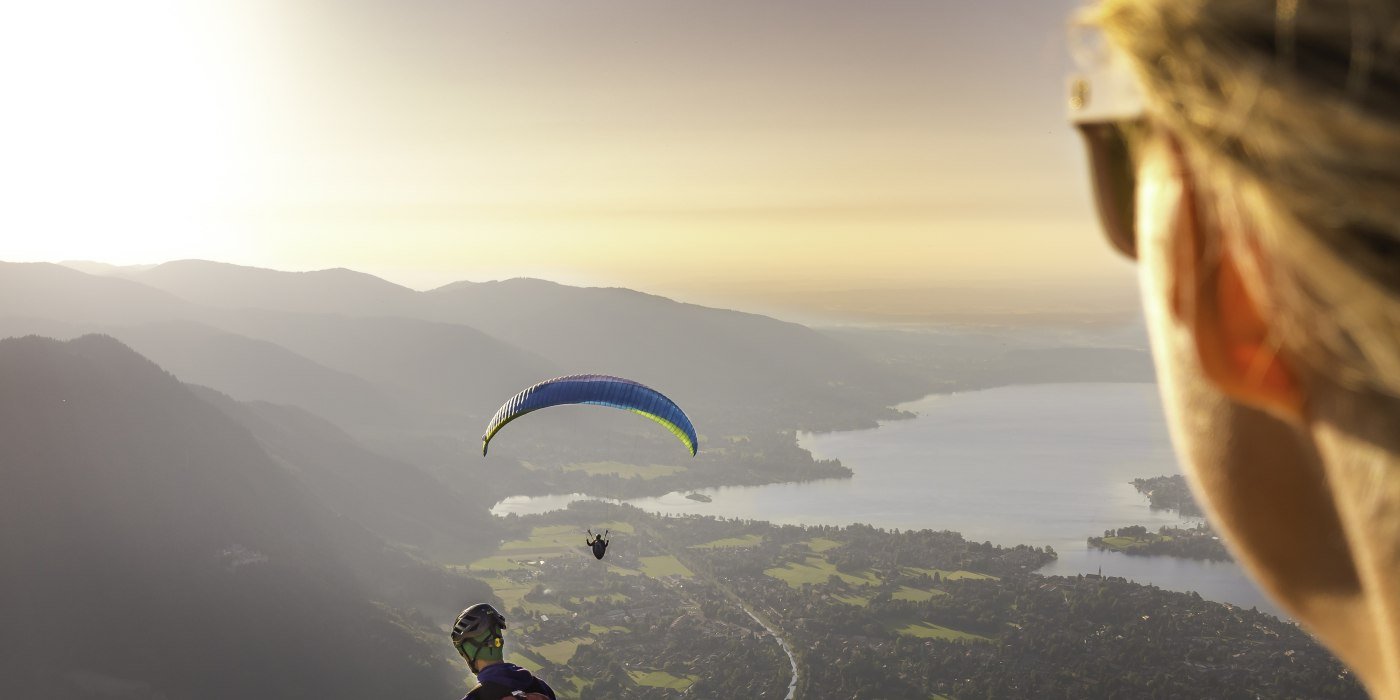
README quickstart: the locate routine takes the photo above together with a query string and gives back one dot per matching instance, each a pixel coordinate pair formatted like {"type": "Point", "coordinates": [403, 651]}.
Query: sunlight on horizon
{"type": "Point", "coordinates": [429, 143]}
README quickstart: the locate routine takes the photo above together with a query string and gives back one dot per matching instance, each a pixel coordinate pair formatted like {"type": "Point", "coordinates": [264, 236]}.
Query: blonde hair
{"type": "Point", "coordinates": [1289, 112]}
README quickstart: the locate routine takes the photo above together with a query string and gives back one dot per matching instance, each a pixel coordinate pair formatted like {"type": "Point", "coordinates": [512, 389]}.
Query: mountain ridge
{"type": "Point", "coordinates": [135, 511]}
{"type": "Point", "coordinates": [735, 368]}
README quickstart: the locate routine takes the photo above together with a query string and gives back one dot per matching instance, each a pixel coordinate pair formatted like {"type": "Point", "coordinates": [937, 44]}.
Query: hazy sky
{"type": "Point", "coordinates": [764, 145]}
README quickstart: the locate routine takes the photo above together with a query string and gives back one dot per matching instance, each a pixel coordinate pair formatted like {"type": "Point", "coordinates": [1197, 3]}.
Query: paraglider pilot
{"type": "Point", "coordinates": [477, 637]}
{"type": "Point", "coordinates": [599, 543]}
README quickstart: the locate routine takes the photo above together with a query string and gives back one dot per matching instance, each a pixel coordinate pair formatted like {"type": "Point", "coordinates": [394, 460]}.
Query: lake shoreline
{"type": "Point", "coordinates": [1039, 465]}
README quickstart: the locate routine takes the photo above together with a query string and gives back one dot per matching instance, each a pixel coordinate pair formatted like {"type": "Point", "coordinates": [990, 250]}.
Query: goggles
{"type": "Point", "coordinates": [1106, 107]}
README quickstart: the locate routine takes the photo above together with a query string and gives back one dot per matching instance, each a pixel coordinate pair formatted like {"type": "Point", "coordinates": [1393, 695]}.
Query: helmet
{"type": "Point", "coordinates": [477, 632]}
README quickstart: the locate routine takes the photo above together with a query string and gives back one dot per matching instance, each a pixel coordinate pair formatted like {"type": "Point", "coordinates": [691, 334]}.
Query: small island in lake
{"type": "Point", "coordinates": [702, 498]}
{"type": "Point", "coordinates": [1169, 493]}
{"type": "Point", "coordinates": [1199, 542]}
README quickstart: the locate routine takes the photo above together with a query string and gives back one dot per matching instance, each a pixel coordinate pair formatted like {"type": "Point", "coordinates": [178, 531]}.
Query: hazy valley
{"type": "Point", "coordinates": [248, 483]}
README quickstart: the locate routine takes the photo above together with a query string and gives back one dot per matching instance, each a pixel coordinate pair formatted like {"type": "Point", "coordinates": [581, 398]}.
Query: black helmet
{"type": "Point", "coordinates": [477, 621]}
{"type": "Point", "coordinates": [478, 627]}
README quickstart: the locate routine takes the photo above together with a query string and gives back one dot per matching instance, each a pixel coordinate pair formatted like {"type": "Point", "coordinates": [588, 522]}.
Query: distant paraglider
{"type": "Point", "coordinates": [599, 390]}
{"type": "Point", "coordinates": [598, 543]}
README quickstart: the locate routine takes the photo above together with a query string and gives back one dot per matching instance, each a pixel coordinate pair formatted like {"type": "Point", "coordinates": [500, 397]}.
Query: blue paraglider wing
{"type": "Point", "coordinates": [599, 390]}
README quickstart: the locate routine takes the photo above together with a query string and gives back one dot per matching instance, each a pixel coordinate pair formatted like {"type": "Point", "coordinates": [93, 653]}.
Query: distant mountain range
{"type": "Point", "coordinates": [450, 355]}
{"type": "Point", "coordinates": [221, 285]}
{"type": "Point", "coordinates": [393, 366]}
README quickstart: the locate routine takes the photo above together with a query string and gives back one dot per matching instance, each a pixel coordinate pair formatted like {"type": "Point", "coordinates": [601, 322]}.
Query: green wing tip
{"type": "Point", "coordinates": [483, 447]}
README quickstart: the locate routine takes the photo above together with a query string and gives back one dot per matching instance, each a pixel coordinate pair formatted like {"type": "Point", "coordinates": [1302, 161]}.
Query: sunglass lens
{"type": "Point", "coordinates": [1115, 186]}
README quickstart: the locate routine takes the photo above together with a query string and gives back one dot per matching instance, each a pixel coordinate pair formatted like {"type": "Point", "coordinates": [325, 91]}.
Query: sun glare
{"type": "Point", "coordinates": [457, 139]}
{"type": "Point", "coordinates": [118, 128]}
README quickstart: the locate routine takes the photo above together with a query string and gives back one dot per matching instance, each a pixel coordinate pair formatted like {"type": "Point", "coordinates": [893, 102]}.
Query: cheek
{"type": "Point", "coordinates": [1260, 481]}
{"type": "Point", "coordinates": [1192, 406]}
{"type": "Point", "coordinates": [1213, 437]}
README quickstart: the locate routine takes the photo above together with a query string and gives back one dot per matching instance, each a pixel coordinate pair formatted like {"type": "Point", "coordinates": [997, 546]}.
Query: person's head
{"type": "Point", "coordinates": [477, 636]}
{"type": "Point", "coordinates": [1266, 177]}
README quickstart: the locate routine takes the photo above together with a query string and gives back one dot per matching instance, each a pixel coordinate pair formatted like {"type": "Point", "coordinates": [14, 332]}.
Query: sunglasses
{"type": "Point", "coordinates": [1106, 108]}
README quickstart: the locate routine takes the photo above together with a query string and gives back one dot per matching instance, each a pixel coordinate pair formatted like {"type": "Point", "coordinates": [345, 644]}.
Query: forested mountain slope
{"type": "Point", "coordinates": [152, 549]}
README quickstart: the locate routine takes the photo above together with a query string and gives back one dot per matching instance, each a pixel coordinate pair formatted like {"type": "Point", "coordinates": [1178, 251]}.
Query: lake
{"type": "Point", "coordinates": [1041, 465]}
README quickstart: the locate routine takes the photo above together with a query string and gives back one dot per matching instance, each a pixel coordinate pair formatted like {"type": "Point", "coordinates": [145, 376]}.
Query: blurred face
{"type": "Point", "coordinates": [1260, 478]}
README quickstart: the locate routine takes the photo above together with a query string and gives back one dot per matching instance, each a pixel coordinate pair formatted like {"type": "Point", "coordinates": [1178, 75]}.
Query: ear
{"type": "Point", "coordinates": [1235, 341]}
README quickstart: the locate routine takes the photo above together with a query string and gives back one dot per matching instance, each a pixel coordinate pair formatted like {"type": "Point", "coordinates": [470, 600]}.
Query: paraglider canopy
{"type": "Point", "coordinates": [598, 390]}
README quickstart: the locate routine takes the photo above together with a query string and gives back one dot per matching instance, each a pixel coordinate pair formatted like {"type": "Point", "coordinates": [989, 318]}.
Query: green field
{"type": "Point", "coordinates": [915, 595]}
{"type": "Point", "coordinates": [548, 537]}
{"type": "Point", "coordinates": [544, 543]}
{"type": "Point", "coordinates": [745, 541]}
{"type": "Point", "coordinates": [646, 472]}
{"type": "Point", "coordinates": [856, 600]}
{"type": "Point", "coordinates": [1122, 543]}
{"type": "Point", "coordinates": [543, 608]}
{"type": "Point", "coordinates": [512, 594]}
{"type": "Point", "coordinates": [560, 652]}
{"type": "Point", "coordinates": [579, 684]}
{"type": "Point", "coordinates": [928, 630]}
{"type": "Point", "coordinates": [822, 544]}
{"type": "Point", "coordinates": [817, 570]}
{"type": "Point", "coordinates": [498, 563]}
{"type": "Point", "coordinates": [606, 629]}
{"type": "Point", "coordinates": [667, 565]}
{"type": "Point", "coordinates": [526, 662]}
{"type": "Point", "coordinates": [952, 575]}
{"type": "Point", "coordinates": [608, 597]}
{"type": "Point", "coordinates": [615, 526]}
{"type": "Point", "coordinates": [662, 679]}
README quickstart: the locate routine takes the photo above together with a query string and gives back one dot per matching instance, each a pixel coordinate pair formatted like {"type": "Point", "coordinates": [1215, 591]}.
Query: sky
{"type": "Point", "coordinates": [706, 150]}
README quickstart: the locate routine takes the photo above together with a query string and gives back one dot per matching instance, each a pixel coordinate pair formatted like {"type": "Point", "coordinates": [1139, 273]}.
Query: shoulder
{"type": "Point", "coordinates": [488, 691]}
{"type": "Point", "coordinates": [539, 686]}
